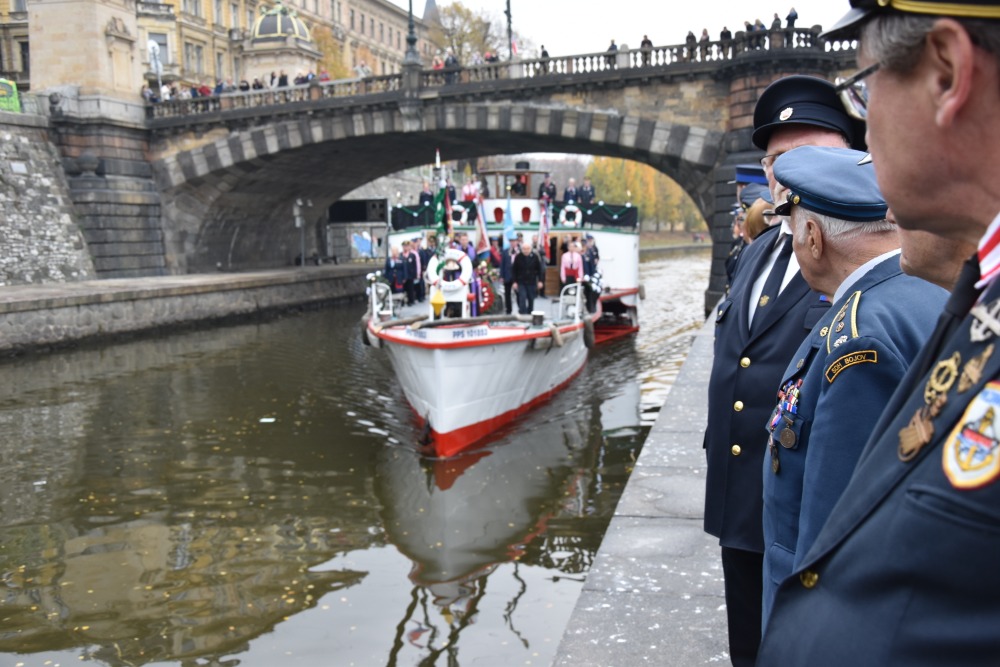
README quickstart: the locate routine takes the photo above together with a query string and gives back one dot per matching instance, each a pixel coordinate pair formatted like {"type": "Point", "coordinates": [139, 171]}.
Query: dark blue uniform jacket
{"type": "Point", "coordinates": [831, 396]}
{"type": "Point", "coordinates": [905, 571]}
{"type": "Point", "coordinates": [745, 375]}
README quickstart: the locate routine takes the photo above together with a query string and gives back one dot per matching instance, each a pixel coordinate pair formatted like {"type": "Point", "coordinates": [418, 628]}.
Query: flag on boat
{"type": "Point", "coordinates": [483, 242]}
{"type": "Point", "coordinates": [543, 228]}
{"type": "Point", "coordinates": [442, 210]}
{"type": "Point", "coordinates": [508, 224]}
{"type": "Point", "coordinates": [447, 208]}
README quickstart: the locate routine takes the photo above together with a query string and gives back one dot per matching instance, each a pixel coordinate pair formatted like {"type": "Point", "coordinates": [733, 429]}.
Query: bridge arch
{"type": "Point", "coordinates": [227, 202]}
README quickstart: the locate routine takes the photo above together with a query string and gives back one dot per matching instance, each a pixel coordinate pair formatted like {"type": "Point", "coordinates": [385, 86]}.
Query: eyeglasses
{"type": "Point", "coordinates": [853, 92]}
{"type": "Point", "coordinates": [768, 160]}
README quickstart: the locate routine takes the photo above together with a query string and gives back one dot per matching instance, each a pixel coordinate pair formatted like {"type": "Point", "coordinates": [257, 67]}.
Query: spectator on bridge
{"type": "Point", "coordinates": [324, 75]}
{"type": "Point", "coordinates": [451, 67]}
{"type": "Point", "coordinates": [758, 33]}
{"type": "Point", "coordinates": [165, 93]}
{"type": "Point", "coordinates": [705, 43]}
{"type": "Point", "coordinates": [244, 85]}
{"type": "Point", "coordinates": [204, 90]}
{"type": "Point", "coordinates": [283, 79]}
{"type": "Point", "coordinates": [792, 17]}
{"type": "Point", "coordinates": [691, 43]}
{"type": "Point", "coordinates": [776, 22]}
{"type": "Point", "coordinates": [726, 43]}
{"type": "Point", "coordinates": [257, 85]}
{"type": "Point", "coordinates": [612, 54]}
{"type": "Point", "coordinates": [545, 60]}
{"type": "Point", "coordinates": [274, 80]}
{"type": "Point", "coordinates": [646, 46]}
{"type": "Point", "coordinates": [147, 95]}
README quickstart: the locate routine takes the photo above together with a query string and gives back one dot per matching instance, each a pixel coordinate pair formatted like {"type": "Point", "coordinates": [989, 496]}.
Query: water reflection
{"type": "Point", "coordinates": [250, 495]}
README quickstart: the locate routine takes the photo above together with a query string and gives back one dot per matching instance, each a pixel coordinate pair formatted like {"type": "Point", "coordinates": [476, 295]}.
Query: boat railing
{"type": "Point", "coordinates": [571, 301]}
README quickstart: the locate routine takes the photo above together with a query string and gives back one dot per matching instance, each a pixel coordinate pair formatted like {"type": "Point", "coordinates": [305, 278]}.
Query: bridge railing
{"type": "Point", "coordinates": [717, 51]}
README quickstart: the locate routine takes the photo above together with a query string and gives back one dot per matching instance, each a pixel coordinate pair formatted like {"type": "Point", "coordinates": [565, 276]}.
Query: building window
{"type": "Point", "coordinates": [250, 18]}
{"type": "Point", "coordinates": [362, 24]}
{"type": "Point", "coordinates": [352, 19]}
{"type": "Point", "coordinates": [220, 69]}
{"type": "Point", "coordinates": [192, 7]}
{"type": "Point", "coordinates": [25, 57]}
{"type": "Point", "coordinates": [371, 26]}
{"type": "Point", "coordinates": [234, 14]}
{"type": "Point", "coordinates": [381, 32]}
{"type": "Point", "coordinates": [218, 12]}
{"type": "Point", "coordinates": [194, 58]}
{"type": "Point", "coordinates": [20, 5]}
{"type": "Point", "coordinates": [397, 41]}
{"type": "Point", "coordinates": [161, 41]}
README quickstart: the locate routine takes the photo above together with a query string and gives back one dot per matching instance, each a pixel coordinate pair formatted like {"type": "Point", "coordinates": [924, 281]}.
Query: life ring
{"type": "Point", "coordinates": [569, 208]}
{"type": "Point", "coordinates": [463, 217]}
{"type": "Point", "coordinates": [435, 266]}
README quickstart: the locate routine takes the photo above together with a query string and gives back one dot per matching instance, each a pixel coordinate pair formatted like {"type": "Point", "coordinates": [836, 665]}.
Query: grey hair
{"type": "Point", "coordinates": [840, 230]}
{"type": "Point", "coordinates": [897, 40]}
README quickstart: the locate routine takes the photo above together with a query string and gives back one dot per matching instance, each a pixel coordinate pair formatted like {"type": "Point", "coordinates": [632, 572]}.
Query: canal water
{"type": "Point", "coordinates": [251, 495]}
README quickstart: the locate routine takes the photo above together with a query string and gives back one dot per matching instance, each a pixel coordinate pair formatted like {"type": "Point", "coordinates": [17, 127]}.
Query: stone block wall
{"type": "Point", "coordinates": [40, 240]}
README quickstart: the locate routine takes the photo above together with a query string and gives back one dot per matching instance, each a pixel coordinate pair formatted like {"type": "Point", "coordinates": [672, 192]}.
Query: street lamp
{"type": "Point", "coordinates": [510, 34]}
{"type": "Point", "coordinates": [411, 41]}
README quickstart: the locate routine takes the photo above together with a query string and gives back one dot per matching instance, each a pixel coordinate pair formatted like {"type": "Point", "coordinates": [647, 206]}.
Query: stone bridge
{"type": "Point", "coordinates": [213, 180]}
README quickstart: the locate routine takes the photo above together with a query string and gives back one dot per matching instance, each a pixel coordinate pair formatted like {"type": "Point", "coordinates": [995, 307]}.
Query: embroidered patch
{"type": "Point", "coordinates": [852, 359]}
{"type": "Point", "coordinates": [970, 457]}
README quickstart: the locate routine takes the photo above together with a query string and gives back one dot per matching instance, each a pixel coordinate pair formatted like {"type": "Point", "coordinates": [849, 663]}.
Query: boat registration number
{"type": "Point", "coordinates": [468, 333]}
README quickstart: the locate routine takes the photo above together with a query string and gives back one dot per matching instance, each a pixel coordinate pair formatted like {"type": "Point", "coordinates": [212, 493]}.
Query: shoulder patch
{"type": "Point", "coordinates": [846, 316]}
{"type": "Point", "coordinates": [970, 456]}
{"type": "Point", "coordinates": [852, 359]}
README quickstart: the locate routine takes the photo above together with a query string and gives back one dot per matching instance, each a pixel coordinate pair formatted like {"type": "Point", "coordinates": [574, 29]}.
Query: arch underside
{"type": "Point", "coordinates": [228, 204]}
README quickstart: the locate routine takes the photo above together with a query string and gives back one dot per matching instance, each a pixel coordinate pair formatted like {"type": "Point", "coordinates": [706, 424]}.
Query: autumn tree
{"type": "Point", "coordinates": [659, 199]}
{"type": "Point", "coordinates": [333, 56]}
{"type": "Point", "coordinates": [467, 32]}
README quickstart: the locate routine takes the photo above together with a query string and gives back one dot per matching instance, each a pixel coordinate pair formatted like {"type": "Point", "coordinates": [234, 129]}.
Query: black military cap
{"type": "Point", "coordinates": [862, 10]}
{"type": "Point", "coordinates": [803, 100]}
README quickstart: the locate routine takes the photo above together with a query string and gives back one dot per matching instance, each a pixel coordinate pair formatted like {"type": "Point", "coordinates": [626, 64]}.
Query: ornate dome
{"type": "Point", "coordinates": [278, 23]}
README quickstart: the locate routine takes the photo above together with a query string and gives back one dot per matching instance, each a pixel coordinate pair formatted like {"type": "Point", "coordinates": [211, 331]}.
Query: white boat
{"type": "Point", "coordinates": [467, 375]}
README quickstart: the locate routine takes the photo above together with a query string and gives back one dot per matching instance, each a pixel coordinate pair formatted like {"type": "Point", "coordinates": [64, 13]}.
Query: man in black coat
{"type": "Point", "coordinates": [507, 274]}
{"type": "Point", "coordinates": [759, 325]}
{"type": "Point", "coordinates": [527, 274]}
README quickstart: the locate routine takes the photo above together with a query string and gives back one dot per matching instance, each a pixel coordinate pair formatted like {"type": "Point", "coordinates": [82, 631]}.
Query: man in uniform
{"type": "Point", "coordinates": [847, 368]}
{"type": "Point", "coordinates": [759, 325]}
{"type": "Point", "coordinates": [904, 572]}
{"type": "Point", "coordinates": [586, 194]}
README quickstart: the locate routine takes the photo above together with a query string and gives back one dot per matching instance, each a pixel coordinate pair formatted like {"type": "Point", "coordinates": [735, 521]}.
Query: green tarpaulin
{"type": "Point", "coordinates": [9, 101]}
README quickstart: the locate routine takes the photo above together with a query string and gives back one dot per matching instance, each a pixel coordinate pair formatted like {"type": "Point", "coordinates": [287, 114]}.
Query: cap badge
{"type": "Point", "coordinates": [786, 113]}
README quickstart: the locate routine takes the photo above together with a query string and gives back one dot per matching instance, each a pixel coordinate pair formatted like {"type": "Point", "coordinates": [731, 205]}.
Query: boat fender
{"type": "Point", "coordinates": [569, 208]}
{"type": "Point", "coordinates": [588, 334]}
{"type": "Point", "coordinates": [435, 266]}
{"type": "Point", "coordinates": [557, 338]}
{"type": "Point", "coordinates": [364, 331]}
{"type": "Point", "coordinates": [642, 291]}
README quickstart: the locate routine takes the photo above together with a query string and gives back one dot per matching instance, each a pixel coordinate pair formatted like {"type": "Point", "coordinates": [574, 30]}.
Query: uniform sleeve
{"type": "Point", "coordinates": [859, 377]}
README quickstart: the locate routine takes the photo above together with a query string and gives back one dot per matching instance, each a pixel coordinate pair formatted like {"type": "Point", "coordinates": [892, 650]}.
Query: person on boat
{"type": "Point", "coordinates": [450, 188]}
{"type": "Point", "coordinates": [586, 194]}
{"type": "Point", "coordinates": [495, 258]}
{"type": "Point", "coordinates": [426, 251]}
{"type": "Point", "coordinates": [547, 189]}
{"type": "Point", "coordinates": [411, 273]}
{"type": "Point", "coordinates": [570, 194]}
{"type": "Point", "coordinates": [571, 266]}
{"type": "Point", "coordinates": [469, 191]}
{"type": "Point", "coordinates": [507, 274]}
{"type": "Point", "coordinates": [426, 196]}
{"type": "Point", "coordinates": [465, 245]}
{"type": "Point", "coordinates": [395, 271]}
{"type": "Point", "coordinates": [591, 258]}
{"type": "Point", "coordinates": [527, 276]}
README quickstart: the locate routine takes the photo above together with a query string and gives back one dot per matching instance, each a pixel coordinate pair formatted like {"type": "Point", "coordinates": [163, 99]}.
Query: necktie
{"type": "Point", "coordinates": [773, 283]}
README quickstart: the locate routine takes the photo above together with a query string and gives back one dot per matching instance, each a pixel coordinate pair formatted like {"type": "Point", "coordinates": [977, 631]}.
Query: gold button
{"type": "Point", "coordinates": [744, 362]}
{"type": "Point", "coordinates": [809, 578]}
{"type": "Point", "coordinates": [736, 450]}
{"type": "Point", "coordinates": [824, 331]}
{"type": "Point", "coordinates": [738, 406]}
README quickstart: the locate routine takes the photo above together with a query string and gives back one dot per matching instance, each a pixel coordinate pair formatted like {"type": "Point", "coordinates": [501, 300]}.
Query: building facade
{"type": "Point", "coordinates": [187, 43]}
